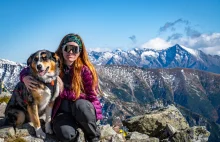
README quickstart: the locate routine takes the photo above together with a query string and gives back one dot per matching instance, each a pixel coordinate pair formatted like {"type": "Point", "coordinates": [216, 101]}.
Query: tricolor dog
{"type": "Point", "coordinates": [27, 105]}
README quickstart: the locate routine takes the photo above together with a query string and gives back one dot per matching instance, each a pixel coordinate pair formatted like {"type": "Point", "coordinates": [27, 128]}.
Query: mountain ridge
{"type": "Point", "coordinates": [175, 56]}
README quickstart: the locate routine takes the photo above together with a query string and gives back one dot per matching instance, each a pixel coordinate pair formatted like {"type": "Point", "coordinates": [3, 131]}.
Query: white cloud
{"type": "Point", "coordinates": [209, 43]}
{"type": "Point", "coordinates": [211, 50]}
{"type": "Point", "coordinates": [203, 41]}
{"type": "Point", "coordinates": [99, 49]}
{"type": "Point", "coordinates": [156, 43]}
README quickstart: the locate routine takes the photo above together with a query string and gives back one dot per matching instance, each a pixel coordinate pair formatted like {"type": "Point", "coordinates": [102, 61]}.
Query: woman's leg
{"type": "Point", "coordinates": [64, 127]}
{"type": "Point", "coordinates": [84, 113]}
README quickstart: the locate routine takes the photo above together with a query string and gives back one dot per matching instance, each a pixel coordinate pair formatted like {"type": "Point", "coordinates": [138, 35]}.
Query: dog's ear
{"type": "Point", "coordinates": [29, 60]}
{"type": "Point", "coordinates": [56, 58]}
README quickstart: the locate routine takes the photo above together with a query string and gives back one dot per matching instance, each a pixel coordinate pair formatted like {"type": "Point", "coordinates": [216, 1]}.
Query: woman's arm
{"type": "Point", "coordinates": [24, 73]}
{"type": "Point", "coordinates": [27, 79]}
{"type": "Point", "coordinates": [90, 93]}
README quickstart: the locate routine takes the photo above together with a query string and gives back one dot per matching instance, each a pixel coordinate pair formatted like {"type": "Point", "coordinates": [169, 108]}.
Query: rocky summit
{"type": "Point", "coordinates": [165, 124]}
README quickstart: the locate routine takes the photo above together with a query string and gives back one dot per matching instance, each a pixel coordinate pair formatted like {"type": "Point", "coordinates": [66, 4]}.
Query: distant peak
{"type": "Point", "coordinates": [118, 50]}
{"type": "Point", "coordinates": [177, 45]}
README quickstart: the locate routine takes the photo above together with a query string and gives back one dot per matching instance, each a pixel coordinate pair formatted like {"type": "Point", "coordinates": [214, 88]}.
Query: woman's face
{"type": "Point", "coordinates": [70, 57]}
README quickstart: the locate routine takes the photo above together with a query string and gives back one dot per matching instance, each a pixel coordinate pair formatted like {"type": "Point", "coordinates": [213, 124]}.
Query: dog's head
{"type": "Point", "coordinates": [44, 65]}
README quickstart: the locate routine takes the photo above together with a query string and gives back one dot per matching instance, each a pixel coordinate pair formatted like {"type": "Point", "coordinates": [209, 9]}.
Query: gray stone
{"type": "Point", "coordinates": [199, 134]}
{"type": "Point", "coordinates": [81, 137]}
{"type": "Point", "coordinates": [6, 132]}
{"type": "Point", "coordinates": [138, 136]}
{"type": "Point", "coordinates": [152, 139]}
{"type": "Point", "coordinates": [2, 109]}
{"type": "Point", "coordinates": [170, 130]}
{"type": "Point", "coordinates": [118, 138]}
{"type": "Point", "coordinates": [180, 137]}
{"type": "Point", "coordinates": [154, 124]}
{"type": "Point", "coordinates": [107, 132]}
{"type": "Point", "coordinates": [32, 139]}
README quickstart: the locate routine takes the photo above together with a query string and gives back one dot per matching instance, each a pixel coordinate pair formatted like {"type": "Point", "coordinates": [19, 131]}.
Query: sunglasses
{"type": "Point", "coordinates": [73, 48]}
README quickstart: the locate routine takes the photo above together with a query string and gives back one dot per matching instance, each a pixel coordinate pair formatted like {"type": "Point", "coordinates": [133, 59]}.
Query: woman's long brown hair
{"type": "Point", "coordinates": [83, 59]}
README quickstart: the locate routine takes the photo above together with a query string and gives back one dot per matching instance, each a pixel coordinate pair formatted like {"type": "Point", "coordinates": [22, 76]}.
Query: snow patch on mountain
{"type": "Point", "coordinates": [150, 53]}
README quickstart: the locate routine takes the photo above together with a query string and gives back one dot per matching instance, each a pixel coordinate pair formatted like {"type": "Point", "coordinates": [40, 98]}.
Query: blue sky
{"type": "Point", "coordinates": [28, 26]}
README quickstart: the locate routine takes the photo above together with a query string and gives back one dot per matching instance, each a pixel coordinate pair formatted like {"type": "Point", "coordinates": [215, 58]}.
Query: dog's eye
{"type": "Point", "coordinates": [35, 59]}
{"type": "Point", "coordinates": [44, 58]}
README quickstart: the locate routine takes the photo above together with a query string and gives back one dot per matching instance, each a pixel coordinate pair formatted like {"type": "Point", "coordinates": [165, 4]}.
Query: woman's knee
{"type": "Point", "coordinates": [65, 133]}
{"type": "Point", "coordinates": [65, 128]}
{"type": "Point", "coordinates": [84, 109]}
{"type": "Point", "coordinates": [83, 105]}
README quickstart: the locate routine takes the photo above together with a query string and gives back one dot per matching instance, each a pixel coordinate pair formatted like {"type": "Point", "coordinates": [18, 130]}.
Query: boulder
{"type": "Point", "coordinates": [166, 125]}
{"type": "Point", "coordinates": [199, 133]}
{"type": "Point", "coordinates": [153, 124]}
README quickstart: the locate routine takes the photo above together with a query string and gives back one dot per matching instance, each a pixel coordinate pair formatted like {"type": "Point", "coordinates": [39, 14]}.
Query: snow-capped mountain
{"type": "Point", "coordinates": [9, 72]}
{"type": "Point", "coordinates": [176, 56]}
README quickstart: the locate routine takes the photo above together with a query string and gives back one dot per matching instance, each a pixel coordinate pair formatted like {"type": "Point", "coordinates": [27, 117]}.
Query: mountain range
{"type": "Point", "coordinates": [175, 56]}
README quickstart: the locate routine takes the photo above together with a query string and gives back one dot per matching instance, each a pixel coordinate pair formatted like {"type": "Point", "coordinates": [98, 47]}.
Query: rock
{"type": "Point", "coordinates": [138, 136]}
{"type": "Point", "coordinates": [199, 134]}
{"type": "Point", "coordinates": [6, 132]}
{"type": "Point", "coordinates": [118, 138]}
{"type": "Point", "coordinates": [28, 127]}
{"type": "Point", "coordinates": [165, 125]}
{"type": "Point", "coordinates": [168, 125]}
{"type": "Point", "coordinates": [2, 109]}
{"type": "Point", "coordinates": [152, 139]}
{"type": "Point", "coordinates": [194, 134]}
{"type": "Point", "coordinates": [180, 137]}
{"type": "Point", "coordinates": [26, 132]}
{"type": "Point", "coordinates": [170, 130]}
{"type": "Point", "coordinates": [109, 135]}
{"type": "Point", "coordinates": [81, 137]}
{"type": "Point", "coordinates": [107, 132]}
{"type": "Point", "coordinates": [32, 139]}
{"type": "Point", "coordinates": [154, 124]}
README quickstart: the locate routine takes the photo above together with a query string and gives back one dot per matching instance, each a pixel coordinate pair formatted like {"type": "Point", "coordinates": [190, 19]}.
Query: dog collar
{"type": "Point", "coordinates": [52, 83]}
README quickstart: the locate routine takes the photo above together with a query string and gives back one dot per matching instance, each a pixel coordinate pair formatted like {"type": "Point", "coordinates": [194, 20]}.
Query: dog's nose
{"type": "Point", "coordinates": [39, 67]}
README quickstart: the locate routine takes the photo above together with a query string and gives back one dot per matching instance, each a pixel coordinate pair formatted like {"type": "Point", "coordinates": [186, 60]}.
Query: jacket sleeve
{"type": "Point", "coordinates": [90, 93]}
{"type": "Point", "coordinates": [68, 94]}
{"type": "Point", "coordinates": [24, 73]}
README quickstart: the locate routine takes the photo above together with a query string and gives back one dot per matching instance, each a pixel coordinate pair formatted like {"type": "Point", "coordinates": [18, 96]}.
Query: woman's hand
{"type": "Point", "coordinates": [30, 82]}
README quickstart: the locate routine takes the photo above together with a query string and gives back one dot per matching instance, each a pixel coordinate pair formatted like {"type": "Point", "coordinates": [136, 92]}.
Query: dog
{"type": "Point", "coordinates": [28, 105]}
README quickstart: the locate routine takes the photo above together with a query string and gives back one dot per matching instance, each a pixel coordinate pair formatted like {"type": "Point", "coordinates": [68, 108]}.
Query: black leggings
{"type": "Point", "coordinates": [82, 115]}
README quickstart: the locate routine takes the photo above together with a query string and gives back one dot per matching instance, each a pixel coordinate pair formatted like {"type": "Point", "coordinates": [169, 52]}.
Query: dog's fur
{"type": "Point", "coordinates": [25, 104]}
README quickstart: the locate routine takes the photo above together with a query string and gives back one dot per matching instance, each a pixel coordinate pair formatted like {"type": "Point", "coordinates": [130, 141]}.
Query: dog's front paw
{"type": "Point", "coordinates": [40, 133]}
{"type": "Point", "coordinates": [48, 128]}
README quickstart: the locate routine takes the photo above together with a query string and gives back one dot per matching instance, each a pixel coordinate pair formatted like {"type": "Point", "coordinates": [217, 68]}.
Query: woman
{"type": "Point", "coordinates": [77, 105]}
